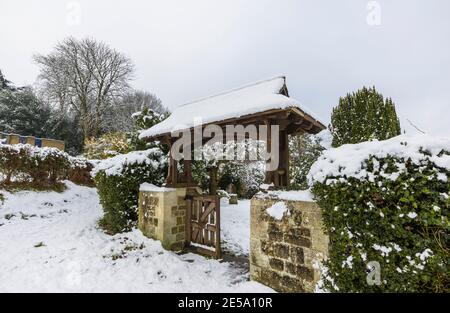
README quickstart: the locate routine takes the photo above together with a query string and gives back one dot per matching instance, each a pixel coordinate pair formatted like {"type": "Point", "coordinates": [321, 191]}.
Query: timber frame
{"type": "Point", "coordinates": [290, 120]}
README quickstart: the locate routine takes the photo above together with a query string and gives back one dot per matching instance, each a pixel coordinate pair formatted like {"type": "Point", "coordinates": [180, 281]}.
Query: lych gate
{"type": "Point", "coordinates": [263, 103]}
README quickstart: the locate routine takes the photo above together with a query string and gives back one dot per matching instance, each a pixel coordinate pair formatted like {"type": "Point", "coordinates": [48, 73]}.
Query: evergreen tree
{"type": "Point", "coordinates": [364, 115]}
{"type": "Point", "coordinates": [23, 113]}
{"type": "Point", "coordinates": [65, 126]}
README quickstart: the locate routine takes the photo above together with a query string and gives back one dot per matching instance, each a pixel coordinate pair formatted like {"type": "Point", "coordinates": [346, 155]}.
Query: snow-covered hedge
{"type": "Point", "coordinates": [27, 166]}
{"type": "Point", "coordinates": [24, 163]}
{"type": "Point", "coordinates": [118, 180]}
{"type": "Point", "coordinates": [386, 201]}
{"type": "Point", "coordinates": [80, 169]}
{"type": "Point", "coordinates": [12, 162]}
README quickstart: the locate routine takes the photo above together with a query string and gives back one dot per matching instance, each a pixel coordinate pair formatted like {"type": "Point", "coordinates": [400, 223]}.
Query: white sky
{"type": "Point", "coordinates": [188, 49]}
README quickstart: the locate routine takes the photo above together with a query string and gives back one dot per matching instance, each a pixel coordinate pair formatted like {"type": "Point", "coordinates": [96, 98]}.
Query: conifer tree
{"type": "Point", "coordinates": [23, 113]}
{"type": "Point", "coordinates": [364, 115]}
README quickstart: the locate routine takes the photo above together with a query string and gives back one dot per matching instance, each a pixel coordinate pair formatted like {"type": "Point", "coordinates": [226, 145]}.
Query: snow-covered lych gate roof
{"type": "Point", "coordinates": [263, 103]}
{"type": "Point", "coordinates": [264, 99]}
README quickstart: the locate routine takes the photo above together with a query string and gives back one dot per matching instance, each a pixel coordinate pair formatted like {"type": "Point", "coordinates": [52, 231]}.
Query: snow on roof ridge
{"type": "Point", "coordinates": [253, 98]}
{"type": "Point", "coordinates": [234, 90]}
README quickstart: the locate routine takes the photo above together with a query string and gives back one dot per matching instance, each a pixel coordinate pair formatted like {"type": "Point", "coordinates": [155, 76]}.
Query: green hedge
{"type": "Point", "coordinates": [118, 180]}
{"type": "Point", "coordinates": [394, 211]}
{"type": "Point", "coordinates": [26, 166]}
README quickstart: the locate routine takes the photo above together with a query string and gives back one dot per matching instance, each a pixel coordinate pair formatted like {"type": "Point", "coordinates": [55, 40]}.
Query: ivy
{"type": "Point", "coordinates": [402, 223]}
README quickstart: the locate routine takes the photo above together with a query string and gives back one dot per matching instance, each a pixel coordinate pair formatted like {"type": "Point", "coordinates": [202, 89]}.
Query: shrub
{"type": "Point", "coordinates": [246, 176]}
{"type": "Point", "coordinates": [108, 145]}
{"type": "Point", "coordinates": [118, 180]}
{"type": "Point", "coordinates": [386, 202]}
{"type": "Point", "coordinates": [79, 171]}
{"type": "Point", "coordinates": [47, 165]}
{"type": "Point", "coordinates": [12, 161]}
{"type": "Point", "coordinates": [29, 166]}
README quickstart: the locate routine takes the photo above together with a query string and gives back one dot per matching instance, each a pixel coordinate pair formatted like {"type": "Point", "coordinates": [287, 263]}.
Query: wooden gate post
{"type": "Point", "coordinates": [217, 237]}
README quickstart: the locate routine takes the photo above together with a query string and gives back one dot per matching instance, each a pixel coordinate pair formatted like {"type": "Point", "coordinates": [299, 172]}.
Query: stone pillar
{"type": "Point", "coordinates": [284, 253]}
{"type": "Point", "coordinates": [162, 215]}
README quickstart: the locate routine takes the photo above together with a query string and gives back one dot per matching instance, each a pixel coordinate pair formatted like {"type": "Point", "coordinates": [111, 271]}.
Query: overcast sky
{"type": "Point", "coordinates": [188, 49]}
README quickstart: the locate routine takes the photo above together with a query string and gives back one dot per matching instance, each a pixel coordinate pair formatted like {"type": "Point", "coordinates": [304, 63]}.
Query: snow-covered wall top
{"type": "Point", "coordinates": [255, 98]}
{"type": "Point", "coordinates": [289, 195]}
{"type": "Point", "coordinates": [153, 188]}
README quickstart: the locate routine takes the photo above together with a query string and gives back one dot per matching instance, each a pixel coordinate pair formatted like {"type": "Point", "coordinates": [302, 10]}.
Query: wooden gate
{"type": "Point", "coordinates": [203, 225]}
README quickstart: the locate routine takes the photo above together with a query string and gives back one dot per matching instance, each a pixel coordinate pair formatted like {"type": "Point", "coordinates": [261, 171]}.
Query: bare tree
{"type": "Point", "coordinates": [85, 76]}
{"type": "Point", "coordinates": [119, 117]}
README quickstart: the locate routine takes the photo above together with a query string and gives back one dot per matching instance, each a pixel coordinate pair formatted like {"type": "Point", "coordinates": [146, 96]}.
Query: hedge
{"type": "Point", "coordinates": [26, 165]}
{"type": "Point", "coordinates": [13, 161]}
{"type": "Point", "coordinates": [118, 180]}
{"type": "Point", "coordinates": [79, 171]}
{"type": "Point", "coordinates": [386, 202]}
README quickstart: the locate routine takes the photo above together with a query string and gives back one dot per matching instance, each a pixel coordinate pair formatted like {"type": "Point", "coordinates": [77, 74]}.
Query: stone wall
{"type": "Point", "coordinates": [284, 254]}
{"type": "Point", "coordinates": [148, 219]}
{"type": "Point", "coordinates": [162, 214]}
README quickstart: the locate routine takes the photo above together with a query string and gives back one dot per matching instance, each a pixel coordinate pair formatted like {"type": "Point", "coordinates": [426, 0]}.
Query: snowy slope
{"type": "Point", "coordinates": [50, 242]}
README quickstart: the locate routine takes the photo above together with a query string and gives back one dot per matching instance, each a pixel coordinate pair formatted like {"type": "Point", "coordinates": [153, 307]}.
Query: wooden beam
{"type": "Point", "coordinates": [291, 112]}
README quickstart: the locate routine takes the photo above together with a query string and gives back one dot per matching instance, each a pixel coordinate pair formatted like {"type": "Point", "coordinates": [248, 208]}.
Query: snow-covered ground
{"type": "Point", "coordinates": [235, 226]}
{"type": "Point", "coordinates": [50, 242]}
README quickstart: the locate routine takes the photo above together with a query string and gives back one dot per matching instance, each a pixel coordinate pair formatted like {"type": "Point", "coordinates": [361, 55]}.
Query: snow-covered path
{"type": "Point", "coordinates": [235, 226]}
{"type": "Point", "coordinates": [50, 242]}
